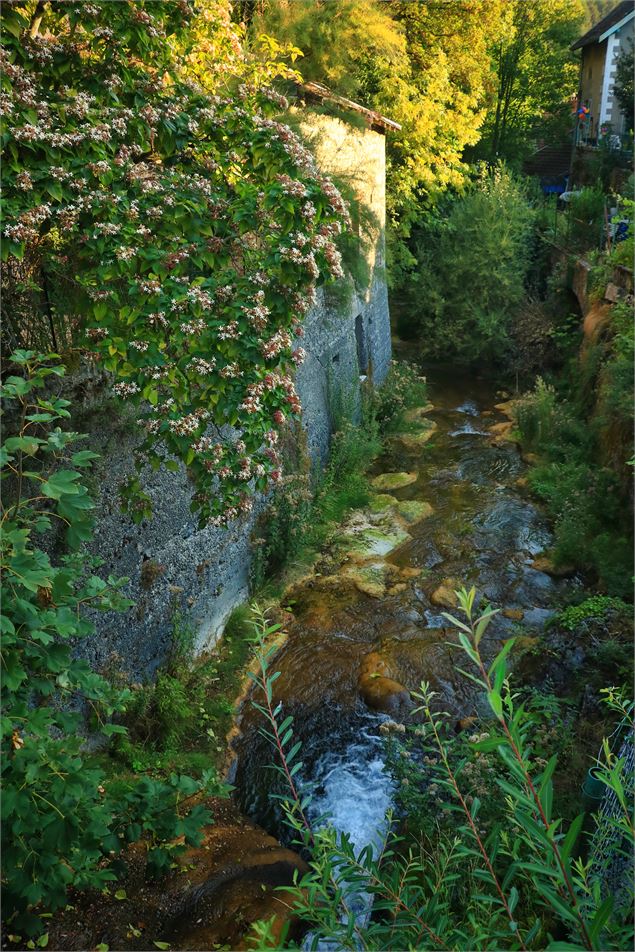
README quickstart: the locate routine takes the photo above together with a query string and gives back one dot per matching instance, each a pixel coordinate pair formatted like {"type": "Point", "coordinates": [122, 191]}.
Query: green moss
{"type": "Point", "coordinates": [393, 480]}
{"type": "Point", "coordinates": [381, 502]}
{"type": "Point", "coordinates": [596, 607]}
{"type": "Point", "coordinates": [372, 540]}
{"type": "Point", "coordinates": [414, 510]}
{"type": "Point", "coordinates": [415, 439]}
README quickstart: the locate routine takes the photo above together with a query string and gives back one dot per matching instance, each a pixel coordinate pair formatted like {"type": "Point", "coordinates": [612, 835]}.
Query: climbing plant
{"type": "Point", "coordinates": [175, 224]}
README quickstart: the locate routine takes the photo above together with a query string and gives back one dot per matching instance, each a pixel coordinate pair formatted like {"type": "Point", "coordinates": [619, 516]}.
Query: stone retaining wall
{"type": "Point", "coordinates": [196, 577]}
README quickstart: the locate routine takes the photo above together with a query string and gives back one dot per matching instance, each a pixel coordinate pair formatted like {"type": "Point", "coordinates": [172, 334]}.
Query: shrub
{"type": "Point", "coordinates": [548, 425]}
{"type": "Point", "coordinates": [505, 875]}
{"type": "Point", "coordinates": [62, 818]}
{"type": "Point", "coordinates": [403, 388]}
{"type": "Point", "coordinates": [589, 530]}
{"type": "Point", "coordinates": [203, 229]}
{"type": "Point", "coordinates": [586, 499]}
{"type": "Point", "coordinates": [596, 607]}
{"type": "Point", "coordinates": [586, 225]}
{"type": "Point", "coordinates": [471, 267]}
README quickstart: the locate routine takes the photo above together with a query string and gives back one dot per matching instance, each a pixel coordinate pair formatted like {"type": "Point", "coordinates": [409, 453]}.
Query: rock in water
{"type": "Point", "coordinates": [544, 564]}
{"type": "Point", "coordinates": [388, 481]}
{"type": "Point", "coordinates": [414, 510]}
{"type": "Point", "coordinates": [379, 689]}
{"type": "Point", "coordinates": [444, 596]}
{"type": "Point", "coordinates": [384, 694]}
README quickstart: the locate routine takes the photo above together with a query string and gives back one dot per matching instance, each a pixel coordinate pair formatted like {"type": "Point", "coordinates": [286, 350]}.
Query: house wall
{"type": "Point", "coordinates": [618, 42]}
{"type": "Point", "coordinates": [591, 84]}
{"type": "Point", "coordinates": [177, 570]}
{"type": "Point", "coordinates": [597, 77]}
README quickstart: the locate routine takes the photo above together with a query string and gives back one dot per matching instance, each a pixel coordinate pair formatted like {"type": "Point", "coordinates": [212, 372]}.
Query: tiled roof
{"type": "Point", "coordinates": [611, 19]}
{"type": "Point", "coordinates": [375, 119]}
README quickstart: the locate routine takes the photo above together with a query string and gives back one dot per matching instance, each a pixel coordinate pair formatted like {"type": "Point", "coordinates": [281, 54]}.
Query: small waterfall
{"type": "Point", "coordinates": [469, 429]}
{"type": "Point", "coordinates": [469, 407]}
{"type": "Point", "coordinates": [353, 793]}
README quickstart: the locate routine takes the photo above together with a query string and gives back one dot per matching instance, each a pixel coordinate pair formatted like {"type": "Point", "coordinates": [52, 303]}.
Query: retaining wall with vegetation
{"type": "Point", "coordinates": [184, 576]}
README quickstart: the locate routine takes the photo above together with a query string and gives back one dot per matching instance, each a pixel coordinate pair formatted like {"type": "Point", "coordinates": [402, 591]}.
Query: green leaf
{"type": "Point", "coordinates": [162, 945]}
{"type": "Point", "coordinates": [62, 483]}
{"type": "Point", "coordinates": [110, 729]}
{"type": "Point", "coordinates": [27, 444]}
{"type": "Point", "coordinates": [83, 458]}
{"type": "Point", "coordinates": [121, 894]}
{"type": "Point", "coordinates": [13, 672]}
{"type": "Point", "coordinates": [55, 190]}
{"type": "Point", "coordinates": [500, 657]}
{"type": "Point", "coordinates": [496, 703]}
{"type": "Point", "coordinates": [571, 837]}
{"type": "Point", "coordinates": [600, 919]}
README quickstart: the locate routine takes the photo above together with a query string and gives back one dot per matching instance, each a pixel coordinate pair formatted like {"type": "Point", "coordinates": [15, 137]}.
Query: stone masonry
{"type": "Point", "coordinates": [175, 570]}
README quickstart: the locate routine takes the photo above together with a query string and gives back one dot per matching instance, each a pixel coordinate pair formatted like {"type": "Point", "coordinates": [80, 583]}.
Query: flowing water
{"type": "Point", "coordinates": [482, 531]}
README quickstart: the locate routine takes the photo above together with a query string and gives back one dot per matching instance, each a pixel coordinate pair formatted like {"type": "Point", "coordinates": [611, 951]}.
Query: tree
{"type": "Point", "coordinates": [351, 46]}
{"type": "Point", "coordinates": [472, 256]}
{"type": "Point", "coordinates": [537, 76]}
{"type": "Point", "coordinates": [425, 64]}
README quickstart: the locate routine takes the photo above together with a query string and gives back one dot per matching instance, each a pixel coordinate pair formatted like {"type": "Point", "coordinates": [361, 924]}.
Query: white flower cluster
{"type": "Point", "coordinates": [201, 366]}
{"type": "Point", "coordinates": [126, 389]}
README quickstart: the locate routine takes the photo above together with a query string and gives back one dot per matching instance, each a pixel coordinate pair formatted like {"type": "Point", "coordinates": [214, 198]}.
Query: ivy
{"type": "Point", "coordinates": [181, 224]}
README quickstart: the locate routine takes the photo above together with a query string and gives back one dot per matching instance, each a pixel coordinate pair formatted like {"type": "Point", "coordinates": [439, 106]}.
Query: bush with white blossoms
{"type": "Point", "coordinates": [188, 226]}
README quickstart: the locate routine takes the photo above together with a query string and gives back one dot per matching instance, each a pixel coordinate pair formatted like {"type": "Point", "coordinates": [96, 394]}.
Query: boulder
{"type": "Point", "coordinates": [516, 614]}
{"type": "Point", "coordinates": [368, 540]}
{"type": "Point", "coordinates": [381, 502]}
{"type": "Point", "coordinates": [414, 510]}
{"type": "Point", "coordinates": [373, 664]}
{"type": "Point", "coordinates": [547, 565]}
{"type": "Point", "coordinates": [413, 441]}
{"type": "Point", "coordinates": [418, 414]}
{"type": "Point", "coordinates": [506, 408]}
{"type": "Point", "coordinates": [502, 432]}
{"type": "Point", "coordinates": [370, 578]}
{"type": "Point", "coordinates": [409, 571]}
{"type": "Point", "coordinates": [397, 589]}
{"type": "Point", "coordinates": [384, 694]}
{"type": "Point", "coordinates": [443, 596]}
{"type": "Point", "coordinates": [387, 481]}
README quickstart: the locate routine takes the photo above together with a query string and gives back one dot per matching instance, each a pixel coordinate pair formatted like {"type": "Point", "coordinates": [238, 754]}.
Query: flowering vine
{"type": "Point", "coordinates": [191, 227]}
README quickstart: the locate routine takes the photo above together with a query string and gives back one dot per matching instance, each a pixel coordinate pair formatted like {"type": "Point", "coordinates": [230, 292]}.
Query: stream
{"type": "Point", "coordinates": [450, 509]}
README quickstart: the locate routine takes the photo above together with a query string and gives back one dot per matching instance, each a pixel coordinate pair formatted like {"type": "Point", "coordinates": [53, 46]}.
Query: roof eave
{"type": "Point", "coordinates": [376, 121]}
{"type": "Point", "coordinates": [617, 26]}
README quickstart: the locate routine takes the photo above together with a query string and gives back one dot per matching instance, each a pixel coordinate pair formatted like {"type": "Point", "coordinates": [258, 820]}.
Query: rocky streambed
{"type": "Point", "coordinates": [364, 628]}
{"type": "Point", "coordinates": [448, 508]}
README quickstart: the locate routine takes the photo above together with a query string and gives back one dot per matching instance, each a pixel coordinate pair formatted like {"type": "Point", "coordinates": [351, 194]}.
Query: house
{"type": "Point", "coordinates": [598, 113]}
